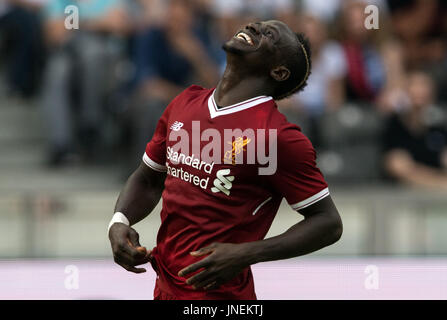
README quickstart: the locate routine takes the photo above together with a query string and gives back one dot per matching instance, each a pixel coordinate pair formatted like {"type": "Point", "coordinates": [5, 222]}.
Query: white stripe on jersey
{"type": "Point", "coordinates": [153, 165]}
{"type": "Point", "coordinates": [311, 200]}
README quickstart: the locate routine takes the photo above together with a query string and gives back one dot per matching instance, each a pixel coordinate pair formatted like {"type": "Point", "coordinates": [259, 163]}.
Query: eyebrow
{"type": "Point", "coordinates": [276, 29]}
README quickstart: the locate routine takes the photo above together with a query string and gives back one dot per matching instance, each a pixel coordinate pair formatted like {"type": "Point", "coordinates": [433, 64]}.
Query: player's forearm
{"type": "Point", "coordinates": [309, 235]}
{"type": "Point", "coordinates": [140, 194]}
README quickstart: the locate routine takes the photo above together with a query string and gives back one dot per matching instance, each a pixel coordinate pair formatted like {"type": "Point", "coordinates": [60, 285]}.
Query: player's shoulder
{"type": "Point", "coordinates": [292, 144]}
{"type": "Point", "coordinates": [286, 131]}
{"type": "Point", "coordinates": [193, 92]}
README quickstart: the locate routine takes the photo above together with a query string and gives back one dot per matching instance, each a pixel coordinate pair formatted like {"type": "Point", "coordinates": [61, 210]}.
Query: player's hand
{"type": "Point", "coordinates": [127, 251]}
{"type": "Point", "coordinates": [223, 263]}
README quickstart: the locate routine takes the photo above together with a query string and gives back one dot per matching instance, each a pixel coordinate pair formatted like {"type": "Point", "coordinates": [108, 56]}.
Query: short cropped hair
{"type": "Point", "coordinates": [299, 65]}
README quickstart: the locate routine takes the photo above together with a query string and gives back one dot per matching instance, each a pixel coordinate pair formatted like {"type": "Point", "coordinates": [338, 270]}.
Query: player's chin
{"type": "Point", "coordinates": [236, 47]}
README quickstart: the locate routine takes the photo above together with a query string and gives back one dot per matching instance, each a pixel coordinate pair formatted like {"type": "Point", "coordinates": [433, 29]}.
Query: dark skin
{"type": "Point", "coordinates": [252, 70]}
{"type": "Point", "coordinates": [138, 198]}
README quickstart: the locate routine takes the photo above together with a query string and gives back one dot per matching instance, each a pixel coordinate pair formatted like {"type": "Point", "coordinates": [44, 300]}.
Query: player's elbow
{"type": "Point", "coordinates": [337, 231]}
{"type": "Point", "coordinates": [335, 228]}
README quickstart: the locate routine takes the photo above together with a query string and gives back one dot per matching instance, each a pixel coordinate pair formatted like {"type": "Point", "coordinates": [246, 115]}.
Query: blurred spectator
{"type": "Point", "coordinates": [262, 9]}
{"type": "Point", "coordinates": [393, 97]}
{"type": "Point", "coordinates": [77, 71]}
{"type": "Point", "coordinates": [366, 74]}
{"type": "Point", "coordinates": [230, 15]}
{"type": "Point", "coordinates": [415, 139]}
{"type": "Point", "coordinates": [418, 24]}
{"type": "Point", "coordinates": [423, 43]}
{"type": "Point", "coordinates": [256, 9]}
{"type": "Point", "coordinates": [325, 10]}
{"type": "Point", "coordinates": [21, 39]}
{"type": "Point", "coordinates": [169, 58]}
{"type": "Point", "coordinates": [325, 86]}
{"type": "Point", "coordinates": [146, 13]}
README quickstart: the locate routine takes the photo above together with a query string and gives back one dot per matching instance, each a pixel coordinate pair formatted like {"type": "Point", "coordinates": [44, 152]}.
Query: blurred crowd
{"type": "Point", "coordinates": [375, 105]}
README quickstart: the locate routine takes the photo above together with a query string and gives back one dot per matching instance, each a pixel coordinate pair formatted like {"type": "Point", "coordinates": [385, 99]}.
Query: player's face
{"type": "Point", "coordinates": [261, 41]}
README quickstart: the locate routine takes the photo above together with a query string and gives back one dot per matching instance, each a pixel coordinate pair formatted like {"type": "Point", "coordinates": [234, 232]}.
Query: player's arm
{"type": "Point", "coordinates": [138, 198]}
{"type": "Point", "coordinates": [299, 181]}
{"type": "Point", "coordinates": [141, 193]}
{"type": "Point", "coordinates": [321, 227]}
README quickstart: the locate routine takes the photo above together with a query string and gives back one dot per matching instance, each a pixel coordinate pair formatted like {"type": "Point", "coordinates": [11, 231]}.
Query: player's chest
{"type": "Point", "coordinates": [219, 157]}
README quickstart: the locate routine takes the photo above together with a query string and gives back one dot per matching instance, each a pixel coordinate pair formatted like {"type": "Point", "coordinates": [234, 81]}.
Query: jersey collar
{"type": "Point", "coordinates": [215, 112]}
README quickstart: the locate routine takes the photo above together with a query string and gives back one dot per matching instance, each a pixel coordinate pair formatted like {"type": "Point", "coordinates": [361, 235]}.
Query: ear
{"type": "Point", "coordinates": [280, 73]}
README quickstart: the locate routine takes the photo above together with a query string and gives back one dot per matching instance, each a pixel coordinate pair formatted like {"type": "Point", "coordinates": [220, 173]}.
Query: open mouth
{"type": "Point", "coordinates": [245, 37]}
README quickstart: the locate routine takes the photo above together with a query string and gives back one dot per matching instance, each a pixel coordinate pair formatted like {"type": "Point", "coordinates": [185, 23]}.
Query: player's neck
{"type": "Point", "coordinates": [235, 87]}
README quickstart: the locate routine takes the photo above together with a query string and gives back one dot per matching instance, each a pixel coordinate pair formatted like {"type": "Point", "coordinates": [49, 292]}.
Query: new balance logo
{"type": "Point", "coordinates": [223, 182]}
{"type": "Point", "coordinates": [177, 125]}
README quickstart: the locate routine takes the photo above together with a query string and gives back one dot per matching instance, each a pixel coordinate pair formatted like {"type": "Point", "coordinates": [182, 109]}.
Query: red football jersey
{"type": "Point", "coordinates": [214, 190]}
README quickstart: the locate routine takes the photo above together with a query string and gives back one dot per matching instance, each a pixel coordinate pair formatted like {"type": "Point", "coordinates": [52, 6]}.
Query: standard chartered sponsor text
{"type": "Point", "coordinates": [192, 161]}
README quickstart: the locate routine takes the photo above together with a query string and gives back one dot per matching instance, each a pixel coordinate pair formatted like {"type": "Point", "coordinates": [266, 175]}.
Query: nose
{"type": "Point", "coordinates": [253, 27]}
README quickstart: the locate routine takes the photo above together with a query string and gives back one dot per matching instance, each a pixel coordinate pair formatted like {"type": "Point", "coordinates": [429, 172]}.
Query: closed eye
{"type": "Point", "coordinates": [270, 32]}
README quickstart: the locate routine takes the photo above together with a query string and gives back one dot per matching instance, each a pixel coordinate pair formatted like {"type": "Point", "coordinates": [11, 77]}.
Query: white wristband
{"type": "Point", "coordinates": [118, 217]}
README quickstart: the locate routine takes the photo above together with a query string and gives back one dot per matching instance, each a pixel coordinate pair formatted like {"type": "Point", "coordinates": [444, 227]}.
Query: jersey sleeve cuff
{"type": "Point", "coordinates": [152, 164]}
{"type": "Point", "coordinates": [311, 200]}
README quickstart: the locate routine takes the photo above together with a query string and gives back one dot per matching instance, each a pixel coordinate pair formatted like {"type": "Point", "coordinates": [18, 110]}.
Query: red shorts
{"type": "Point", "coordinates": [165, 290]}
{"type": "Point", "coordinates": [161, 295]}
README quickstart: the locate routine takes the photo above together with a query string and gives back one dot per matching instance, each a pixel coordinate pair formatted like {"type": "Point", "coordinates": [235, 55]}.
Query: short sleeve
{"type": "Point", "coordinates": [297, 177]}
{"type": "Point", "coordinates": [155, 154]}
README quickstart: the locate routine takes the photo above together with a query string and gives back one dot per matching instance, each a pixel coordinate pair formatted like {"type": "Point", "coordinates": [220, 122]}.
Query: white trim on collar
{"type": "Point", "coordinates": [215, 112]}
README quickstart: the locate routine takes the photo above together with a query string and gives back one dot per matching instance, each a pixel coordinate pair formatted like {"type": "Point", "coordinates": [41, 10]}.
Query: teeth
{"type": "Point", "coordinates": [245, 37]}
